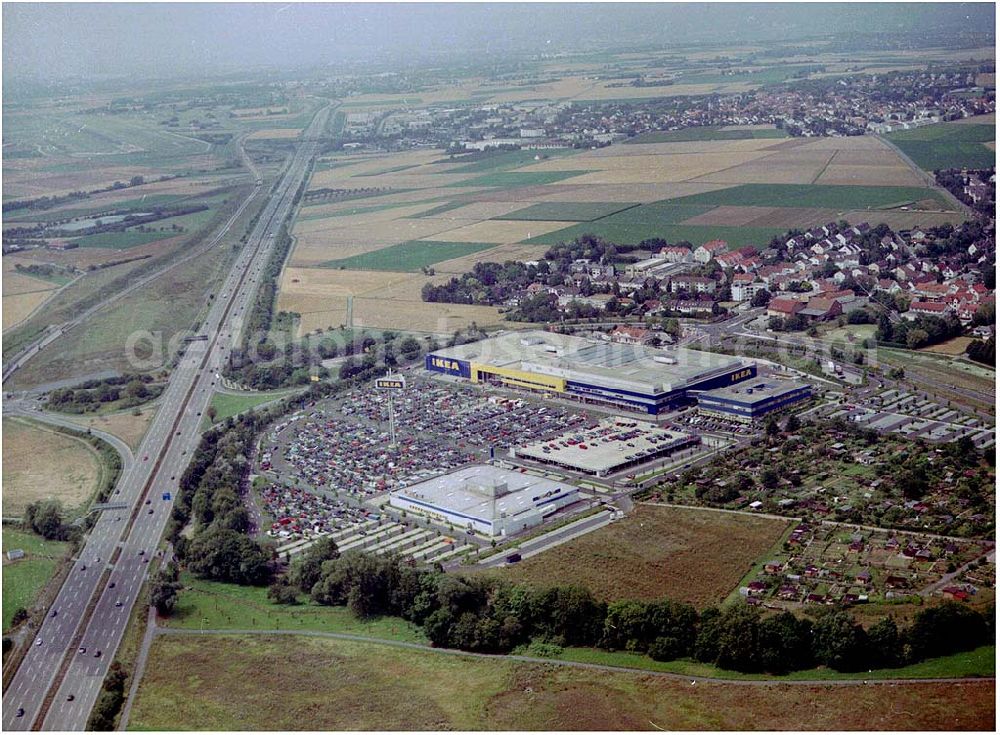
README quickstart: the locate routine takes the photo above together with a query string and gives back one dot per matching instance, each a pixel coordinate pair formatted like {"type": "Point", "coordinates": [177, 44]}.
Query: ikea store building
{"type": "Point", "coordinates": [629, 377]}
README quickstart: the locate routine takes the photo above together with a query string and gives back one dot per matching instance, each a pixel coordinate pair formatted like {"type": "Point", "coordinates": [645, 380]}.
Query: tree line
{"type": "Point", "coordinates": [487, 615]}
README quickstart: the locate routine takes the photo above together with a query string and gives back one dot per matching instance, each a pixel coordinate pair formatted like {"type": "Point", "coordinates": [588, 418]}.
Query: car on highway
{"type": "Point", "coordinates": [54, 613]}
{"type": "Point", "coordinates": [38, 641]}
{"type": "Point", "coordinates": [71, 697]}
{"type": "Point", "coordinates": [145, 457]}
{"type": "Point", "coordinates": [83, 649]}
{"type": "Point", "coordinates": [111, 586]}
{"type": "Point", "coordinates": [118, 603]}
{"type": "Point", "coordinates": [97, 653]}
{"type": "Point", "coordinates": [20, 711]}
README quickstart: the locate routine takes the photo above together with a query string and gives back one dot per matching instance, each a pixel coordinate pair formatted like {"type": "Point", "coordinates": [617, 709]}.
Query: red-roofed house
{"type": "Point", "coordinates": [927, 308]}
{"type": "Point", "coordinates": [784, 307]}
{"type": "Point", "coordinates": [710, 249]}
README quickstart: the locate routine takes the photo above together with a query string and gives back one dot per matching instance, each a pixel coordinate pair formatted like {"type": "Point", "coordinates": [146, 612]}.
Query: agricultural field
{"type": "Point", "coordinates": [381, 687]}
{"type": "Point", "coordinates": [955, 144]}
{"type": "Point", "coordinates": [707, 133]}
{"type": "Point", "coordinates": [685, 554]}
{"type": "Point", "coordinates": [408, 256]}
{"type": "Point", "coordinates": [70, 473]}
{"type": "Point", "coordinates": [568, 211]}
{"type": "Point", "coordinates": [741, 185]}
{"type": "Point", "coordinates": [24, 578]}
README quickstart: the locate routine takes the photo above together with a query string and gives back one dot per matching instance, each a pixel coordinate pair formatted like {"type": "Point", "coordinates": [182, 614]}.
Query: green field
{"type": "Point", "coordinates": [441, 209]}
{"type": "Point", "coordinates": [220, 606]}
{"type": "Point", "coordinates": [280, 683]}
{"type": "Point", "coordinates": [515, 179]}
{"type": "Point", "coordinates": [408, 256]}
{"type": "Point", "coordinates": [121, 240]}
{"type": "Point", "coordinates": [947, 145]}
{"type": "Point", "coordinates": [661, 219]}
{"type": "Point", "coordinates": [705, 133]}
{"type": "Point", "coordinates": [227, 404]}
{"type": "Point", "coordinates": [502, 160]}
{"type": "Point", "coordinates": [24, 579]}
{"type": "Point", "coordinates": [140, 204]}
{"type": "Point", "coordinates": [568, 211]}
{"type": "Point", "coordinates": [842, 198]}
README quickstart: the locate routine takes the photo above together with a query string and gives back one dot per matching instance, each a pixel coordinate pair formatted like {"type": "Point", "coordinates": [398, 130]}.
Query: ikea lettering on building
{"type": "Point", "coordinates": [630, 377]}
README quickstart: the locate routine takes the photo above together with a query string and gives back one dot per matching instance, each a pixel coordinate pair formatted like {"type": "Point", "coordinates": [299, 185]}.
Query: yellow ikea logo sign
{"type": "Point", "coordinates": [445, 364]}
{"type": "Point", "coordinates": [392, 383]}
{"type": "Point", "coordinates": [741, 375]}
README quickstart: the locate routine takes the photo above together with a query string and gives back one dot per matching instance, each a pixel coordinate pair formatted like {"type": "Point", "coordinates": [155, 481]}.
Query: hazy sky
{"type": "Point", "coordinates": [84, 39]}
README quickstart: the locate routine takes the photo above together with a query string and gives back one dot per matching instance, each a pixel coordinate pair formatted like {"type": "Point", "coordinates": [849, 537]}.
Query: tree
{"type": "Point", "coordinates": [769, 478]}
{"type": "Point", "coordinates": [163, 593]}
{"type": "Point", "coordinates": [884, 643]}
{"type": "Point", "coordinates": [840, 643]}
{"type": "Point", "coordinates": [212, 412]}
{"type": "Point", "coordinates": [228, 556]}
{"type": "Point", "coordinates": [282, 593]}
{"type": "Point", "coordinates": [309, 570]}
{"type": "Point", "coordinates": [761, 298]}
{"type": "Point", "coordinates": [739, 639]}
{"type": "Point", "coordinates": [785, 643]}
{"type": "Point", "coordinates": [45, 518]}
{"type": "Point", "coordinates": [793, 424]}
{"type": "Point", "coordinates": [945, 629]}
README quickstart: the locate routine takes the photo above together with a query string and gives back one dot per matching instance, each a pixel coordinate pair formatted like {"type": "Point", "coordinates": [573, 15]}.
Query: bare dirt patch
{"type": "Point", "coordinates": [125, 425]}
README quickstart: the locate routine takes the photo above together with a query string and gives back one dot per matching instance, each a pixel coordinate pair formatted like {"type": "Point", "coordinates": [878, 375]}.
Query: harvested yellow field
{"type": "Point", "coordinates": [417, 316]}
{"type": "Point", "coordinates": [499, 231]}
{"type": "Point", "coordinates": [652, 169]}
{"type": "Point", "coordinates": [899, 220]}
{"type": "Point", "coordinates": [317, 248]}
{"type": "Point", "coordinates": [953, 347]}
{"type": "Point", "coordinates": [495, 255]}
{"type": "Point", "coordinates": [768, 172]}
{"type": "Point", "coordinates": [68, 473]}
{"type": "Point", "coordinates": [477, 211]}
{"type": "Point", "coordinates": [641, 193]}
{"type": "Point", "coordinates": [17, 308]}
{"type": "Point", "coordinates": [127, 427]}
{"type": "Point", "coordinates": [681, 147]}
{"type": "Point", "coordinates": [870, 176]}
{"type": "Point", "coordinates": [333, 282]}
{"type": "Point", "coordinates": [730, 216]}
{"type": "Point", "coordinates": [15, 283]}
{"type": "Point", "coordinates": [346, 221]}
{"type": "Point", "coordinates": [275, 134]}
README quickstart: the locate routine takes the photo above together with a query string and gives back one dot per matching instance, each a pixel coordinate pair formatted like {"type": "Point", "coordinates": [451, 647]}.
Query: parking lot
{"type": "Point", "coordinates": [344, 444]}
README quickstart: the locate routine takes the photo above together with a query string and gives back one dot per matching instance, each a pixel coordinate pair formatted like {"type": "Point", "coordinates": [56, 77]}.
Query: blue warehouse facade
{"type": "Point", "coordinates": [629, 377]}
{"type": "Point", "coordinates": [751, 402]}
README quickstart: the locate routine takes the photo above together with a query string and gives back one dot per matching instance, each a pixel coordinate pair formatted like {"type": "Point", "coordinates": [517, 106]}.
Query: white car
{"type": "Point", "coordinates": [38, 641]}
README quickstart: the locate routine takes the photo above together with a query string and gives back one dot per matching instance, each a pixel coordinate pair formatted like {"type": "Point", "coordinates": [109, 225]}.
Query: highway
{"type": "Point", "coordinates": [59, 679]}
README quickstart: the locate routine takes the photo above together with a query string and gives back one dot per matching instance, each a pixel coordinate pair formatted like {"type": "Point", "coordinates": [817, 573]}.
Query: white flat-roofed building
{"type": "Point", "coordinates": [486, 499]}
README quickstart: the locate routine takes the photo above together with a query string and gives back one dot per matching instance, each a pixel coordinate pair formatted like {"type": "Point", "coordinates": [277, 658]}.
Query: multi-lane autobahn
{"type": "Point", "coordinates": [60, 677]}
